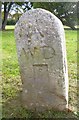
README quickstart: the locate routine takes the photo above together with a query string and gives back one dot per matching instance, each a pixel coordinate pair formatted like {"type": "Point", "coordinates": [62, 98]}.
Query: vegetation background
{"type": "Point", "coordinates": [11, 81]}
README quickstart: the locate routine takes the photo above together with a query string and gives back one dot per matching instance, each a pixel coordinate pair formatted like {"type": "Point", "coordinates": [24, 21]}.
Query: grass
{"type": "Point", "coordinates": [10, 27]}
{"type": "Point", "coordinates": [12, 106]}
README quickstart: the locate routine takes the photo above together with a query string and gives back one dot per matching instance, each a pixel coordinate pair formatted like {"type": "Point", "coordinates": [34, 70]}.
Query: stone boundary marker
{"type": "Point", "coordinates": [41, 52]}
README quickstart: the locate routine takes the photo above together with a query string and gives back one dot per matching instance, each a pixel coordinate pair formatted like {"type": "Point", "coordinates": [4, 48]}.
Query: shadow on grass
{"type": "Point", "coordinates": [13, 108]}
{"type": "Point", "coordinates": [71, 29]}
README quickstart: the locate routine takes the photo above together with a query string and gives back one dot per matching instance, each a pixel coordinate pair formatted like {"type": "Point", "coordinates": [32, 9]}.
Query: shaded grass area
{"type": "Point", "coordinates": [12, 86]}
{"type": "Point", "coordinates": [71, 44]}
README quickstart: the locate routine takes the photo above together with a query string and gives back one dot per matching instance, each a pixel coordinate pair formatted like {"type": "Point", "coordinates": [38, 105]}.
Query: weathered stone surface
{"type": "Point", "coordinates": [42, 57]}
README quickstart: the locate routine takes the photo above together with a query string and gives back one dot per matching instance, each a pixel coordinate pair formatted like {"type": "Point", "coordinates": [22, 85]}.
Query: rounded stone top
{"type": "Point", "coordinates": [38, 17]}
{"type": "Point", "coordinates": [39, 27]}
